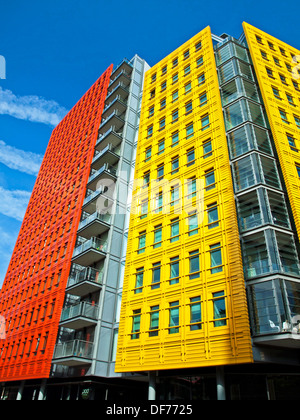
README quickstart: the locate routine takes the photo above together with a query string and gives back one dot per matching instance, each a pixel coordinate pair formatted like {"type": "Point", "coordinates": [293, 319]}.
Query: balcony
{"type": "Point", "coordinates": [82, 282]}
{"type": "Point", "coordinates": [115, 119]}
{"type": "Point", "coordinates": [120, 90]}
{"type": "Point", "coordinates": [90, 252]}
{"type": "Point", "coordinates": [80, 315]}
{"type": "Point", "coordinates": [94, 225]}
{"type": "Point", "coordinates": [98, 201]}
{"type": "Point", "coordinates": [111, 136]}
{"type": "Point", "coordinates": [73, 353]}
{"type": "Point", "coordinates": [115, 105]}
{"type": "Point", "coordinates": [125, 65]}
{"type": "Point", "coordinates": [120, 77]}
{"type": "Point", "coordinates": [106, 172]}
{"type": "Point", "coordinates": [108, 154]}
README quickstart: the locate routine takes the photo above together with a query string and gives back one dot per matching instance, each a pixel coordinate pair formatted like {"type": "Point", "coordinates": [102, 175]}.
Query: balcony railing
{"type": "Point", "coordinates": [88, 274]}
{"type": "Point", "coordinates": [72, 350]}
{"type": "Point", "coordinates": [80, 315]}
{"type": "Point", "coordinates": [105, 168]}
{"type": "Point", "coordinates": [106, 218]}
{"type": "Point", "coordinates": [93, 243]}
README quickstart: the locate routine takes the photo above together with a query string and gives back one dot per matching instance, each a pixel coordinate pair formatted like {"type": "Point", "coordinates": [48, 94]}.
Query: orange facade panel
{"type": "Point", "coordinates": [32, 295]}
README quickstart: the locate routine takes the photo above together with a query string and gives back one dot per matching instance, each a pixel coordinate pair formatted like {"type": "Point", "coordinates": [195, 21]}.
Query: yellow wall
{"type": "Point", "coordinates": [264, 51]}
{"type": "Point", "coordinates": [209, 345]}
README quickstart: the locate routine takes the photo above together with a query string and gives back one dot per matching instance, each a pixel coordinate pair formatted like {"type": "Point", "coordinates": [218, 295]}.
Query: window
{"type": "Point", "coordinates": [219, 309]}
{"type": "Point", "coordinates": [154, 321]}
{"type": "Point", "coordinates": [158, 202]}
{"type": "Point", "coordinates": [215, 258]}
{"type": "Point", "coordinates": [161, 147]}
{"type": "Point", "coordinates": [258, 39]}
{"type": "Point", "coordinates": [188, 107]}
{"type": "Point", "coordinates": [174, 230]}
{"type": "Point", "coordinates": [162, 123]}
{"type": "Point", "coordinates": [276, 61]}
{"type": "Point", "coordinates": [151, 111]}
{"type": "Point", "coordinates": [203, 99]}
{"type": "Point", "coordinates": [175, 78]}
{"type": "Point", "coordinates": [163, 103]}
{"type": "Point", "coordinates": [142, 242]}
{"type": "Point", "coordinates": [175, 96]}
{"type": "Point", "coordinates": [298, 170]}
{"type": "Point", "coordinates": [174, 317]}
{"type": "Point", "coordinates": [175, 165]}
{"type": "Point", "coordinates": [186, 54]}
{"type": "Point", "coordinates": [189, 131]}
{"type": "Point", "coordinates": [160, 171]}
{"type": "Point", "coordinates": [193, 224]}
{"type": "Point", "coordinates": [175, 138]}
{"type": "Point", "coordinates": [296, 85]}
{"type": "Point", "coordinates": [264, 54]}
{"type": "Point", "coordinates": [136, 324]}
{"type": "Point", "coordinates": [144, 209]}
{"type": "Point", "coordinates": [187, 70]}
{"type": "Point", "coordinates": [164, 70]}
{"type": "Point", "coordinates": [290, 99]}
{"type": "Point", "coordinates": [283, 79]}
{"type": "Point", "coordinates": [269, 72]}
{"type": "Point", "coordinates": [276, 93]}
{"type": "Point", "coordinates": [207, 149]}
{"type": "Point", "coordinates": [152, 94]}
{"type": "Point", "coordinates": [292, 143]}
{"type": "Point", "coordinates": [175, 62]}
{"type": "Point", "coordinates": [283, 116]}
{"type": "Point", "coordinates": [191, 188]}
{"type": "Point", "coordinates": [198, 46]}
{"type": "Point", "coordinates": [199, 61]}
{"type": "Point", "coordinates": [139, 279]}
{"type": "Point", "coordinates": [205, 122]}
{"type": "Point", "coordinates": [201, 79]}
{"type": "Point", "coordinates": [175, 115]}
{"type": "Point", "coordinates": [149, 131]}
{"type": "Point", "coordinates": [156, 268]}
{"type": "Point", "coordinates": [174, 270]}
{"type": "Point", "coordinates": [164, 85]}
{"type": "Point", "coordinates": [210, 181]}
{"type": "Point", "coordinates": [148, 154]}
{"type": "Point", "coordinates": [297, 121]}
{"type": "Point", "coordinates": [190, 156]}
{"type": "Point", "coordinates": [195, 313]}
{"type": "Point", "coordinates": [187, 88]}
{"type": "Point", "coordinates": [194, 264]}
{"type": "Point", "coordinates": [271, 45]}
{"type": "Point", "coordinates": [153, 77]}
{"type": "Point", "coordinates": [213, 216]}
{"type": "Point", "coordinates": [157, 236]}
{"type": "Point", "coordinates": [146, 179]}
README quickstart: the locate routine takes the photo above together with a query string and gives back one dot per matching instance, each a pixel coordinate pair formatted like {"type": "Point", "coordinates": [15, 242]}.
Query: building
{"type": "Point", "coordinates": [191, 174]}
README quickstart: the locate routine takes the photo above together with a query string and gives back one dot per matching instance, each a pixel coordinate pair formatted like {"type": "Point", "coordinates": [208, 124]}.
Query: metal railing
{"type": "Point", "coordinates": [93, 217]}
{"type": "Point", "coordinates": [74, 348]}
{"type": "Point", "coordinates": [82, 309]}
{"type": "Point", "coordinates": [93, 243]}
{"type": "Point", "coordinates": [87, 274]}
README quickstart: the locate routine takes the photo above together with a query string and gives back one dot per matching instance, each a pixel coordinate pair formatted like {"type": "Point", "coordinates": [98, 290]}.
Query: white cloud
{"type": "Point", "coordinates": [13, 203]}
{"type": "Point", "coordinates": [27, 162]}
{"type": "Point", "coordinates": [32, 108]}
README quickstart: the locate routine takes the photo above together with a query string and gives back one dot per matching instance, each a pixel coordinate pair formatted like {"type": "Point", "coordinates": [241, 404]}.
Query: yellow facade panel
{"type": "Point", "coordinates": [184, 300]}
{"type": "Point", "coordinates": [276, 66]}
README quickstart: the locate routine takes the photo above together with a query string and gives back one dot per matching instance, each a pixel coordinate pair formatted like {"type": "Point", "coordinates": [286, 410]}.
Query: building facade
{"type": "Point", "coordinates": [181, 277]}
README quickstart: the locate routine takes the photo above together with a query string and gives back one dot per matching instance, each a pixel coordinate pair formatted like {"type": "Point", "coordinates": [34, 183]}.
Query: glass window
{"type": "Point", "coordinates": [154, 321]}
{"type": "Point", "coordinates": [175, 96]}
{"type": "Point", "coordinates": [233, 115]}
{"type": "Point", "coordinates": [175, 78]}
{"type": "Point", "coordinates": [160, 171]}
{"type": "Point", "coordinates": [256, 254]}
{"type": "Point", "coordinates": [187, 70]}
{"type": "Point", "coordinates": [151, 111]}
{"type": "Point", "coordinates": [199, 61]}
{"type": "Point", "coordinates": [174, 230]}
{"type": "Point", "coordinates": [205, 122]}
{"type": "Point", "coordinates": [144, 209]}
{"type": "Point", "coordinates": [292, 143]}
{"type": "Point", "coordinates": [278, 210]}
{"type": "Point", "coordinates": [162, 123]}
{"type": "Point", "coordinates": [174, 317]}
{"type": "Point", "coordinates": [175, 139]}
{"type": "Point", "coordinates": [190, 156]}
{"type": "Point", "coordinates": [193, 224]}
{"type": "Point", "coordinates": [175, 115]}
{"type": "Point", "coordinates": [142, 242]}
{"type": "Point", "coordinates": [150, 131]}
{"type": "Point", "coordinates": [210, 181]}
{"type": "Point", "coordinates": [298, 170]}
{"type": "Point", "coordinates": [156, 268]}
{"type": "Point", "coordinates": [212, 216]}
{"type": "Point", "coordinates": [175, 165]}
{"type": "Point", "coordinates": [201, 79]}
{"type": "Point", "coordinates": [174, 270]}
{"type": "Point", "coordinates": [189, 107]}
{"type": "Point", "coordinates": [175, 195]}
{"type": "Point", "coordinates": [136, 324]}
{"type": "Point", "coordinates": [191, 188]}
{"type": "Point", "coordinates": [161, 147]}
{"type": "Point", "coordinates": [163, 85]}
{"type": "Point", "coordinates": [158, 202]}
{"type": "Point", "coordinates": [189, 131]}
{"type": "Point", "coordinates": [297, 121]}
{"type": "Point", "coordinates": [163, 103]}
{"type": "Point", "coordinates": [195, 313]}
{"type": "Point", "coordinates": [148, 154]}
{"type": "Point", "coordinates": [194, 264]}
{"type": "Point", "coordinates": [219, 309]}
{"type": "Point", "coordinates": [287, 253]}
{"type": "Point", "coordinates": [203, 99]}
{"type": "Point", "coordinates": [249, 211]}
{"type": "Point", "coordinates": [207, 149]}
{"type": "Point", "coordinates": [283, 115]}
{"type": "Point", "coordinates": [139, 280]}
{"type": "Point", "coordinates": [243, 173]}
{"type": "Point", "coordinates": [187, 88]}
{"type": "Point", "coordinates": [270, 172]}
{"type": "Point", "coordinates": [215, 258]}
{"type": "Point", "coordinates": [157, 236]}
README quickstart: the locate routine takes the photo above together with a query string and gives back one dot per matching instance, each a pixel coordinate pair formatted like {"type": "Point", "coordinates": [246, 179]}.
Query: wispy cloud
{"type": "Point", "coordinates": [32, 108]}
{"type": "Point", "coordinates": [13, 203]}
{"type": "Point", "coordinates": [27, 162]}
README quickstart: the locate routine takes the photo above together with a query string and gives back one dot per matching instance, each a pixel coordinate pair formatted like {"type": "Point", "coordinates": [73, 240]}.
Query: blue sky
{"type": "Point", "coordinates": [55, 50]}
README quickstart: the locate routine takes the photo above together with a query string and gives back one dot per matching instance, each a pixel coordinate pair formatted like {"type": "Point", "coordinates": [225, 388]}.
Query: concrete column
{"type": "Point", "coordinates": [42, 392]}
{"type": "Point", "coordinates": [152, 386]}
{"type": "Point", "coordinates": [20, 391]}
{"type": "Point", "coordinates": [220, 377]}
